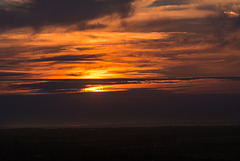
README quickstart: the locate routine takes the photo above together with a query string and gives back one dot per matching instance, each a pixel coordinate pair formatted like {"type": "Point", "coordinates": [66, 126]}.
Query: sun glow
{"type": "Point", "coordinates": [94, 89]}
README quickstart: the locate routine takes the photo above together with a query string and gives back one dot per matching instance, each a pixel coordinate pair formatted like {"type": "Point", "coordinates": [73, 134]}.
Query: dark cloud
{"type": "Point", "coordinates": [8, 60]}
{"type": "Point", "coordinates": [40, 13]}
{"type": "Point", "coordinates": [70, 58]}
{"type": "Point", "coordinates": [63, 86]}
{"type": "Point", "coordinates": [84, 48]}
{"type": "Point", "coordinates": [169, 2]}
{"type": "Point", "coordinates": [175, 8]}
{"type": "Point", "coordinates": [174, 40]}
{"type": "Point", "coordinates": [9, 52]}
{"type": "Point", "coordinates": [220, 29]}
{"type": "Point", "coordinates": [75, 74]}
{"type": "Point", "coordinates": [226, 78]}
{"type": "Point", "coordinates": [169, 25]}
{"type": "Point", "coordinates": [202, 68]}
{"type": "Point", "coordinates": [84, 26]}
{"type": "Point", "coordinates": [223, 23]}
{"type": "Point", "coordinates": [9, 74]}
{"type": "Point", "coordinates": [66, 86]}
{"type": "Point", "coordinates": [216, 7]}
{"type": "Point", "coordinates": [207, 7]}
{"type": "Point", "coordinates": [6, 75]}
{"type": "Point", "coordinates": [13, 64]}
{"type": "Point", "coordinates": [51, 87]}
{"type": "Point", "coordinates": [188, 70]}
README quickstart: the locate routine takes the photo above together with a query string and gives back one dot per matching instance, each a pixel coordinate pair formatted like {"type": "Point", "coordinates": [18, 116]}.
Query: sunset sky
{"type": "Point", "coordinates": [153, 47]}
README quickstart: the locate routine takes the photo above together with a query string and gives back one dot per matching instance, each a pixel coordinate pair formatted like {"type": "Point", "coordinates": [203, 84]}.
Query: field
{"type": "Point", "coordinates": [199, 143]}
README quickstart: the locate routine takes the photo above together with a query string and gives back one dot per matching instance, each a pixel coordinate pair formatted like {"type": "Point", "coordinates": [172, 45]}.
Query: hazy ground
{"type": "Point", "coordinates": [121, 144]}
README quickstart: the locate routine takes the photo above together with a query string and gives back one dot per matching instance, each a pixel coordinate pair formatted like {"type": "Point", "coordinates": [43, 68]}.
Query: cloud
{"type": "Point", "coordinates": [7, 74]}
{"type": "Point", "coordinates": [53, 86]}
{"type": "Point", "coordinates": [41, 13]}
{"type": "Point", "coordinates": [207, 7]}
{"type": "Point", "coordinates": [84, 48]}
{"type": "Point", "coordinates": [78, 74]}
{"type": "Point", "coordinates": [221, 28]}
{"type": "Point", "coordinates": [220, 21]}
{"type": "Point", "coordinates": [6, 52]}
{"type": "Point", "coordinates": [70, 58]}
{"type": "Point", "coordinates": [224, 23]}
{"type": "Point", "coordinates": [206, 17]}
{"type": "Point", "coordinates": [17, 63]}
{"type": "Point", "coordinates": [169, 2]}
{"type": "Point", "coordinates": [168, 25]}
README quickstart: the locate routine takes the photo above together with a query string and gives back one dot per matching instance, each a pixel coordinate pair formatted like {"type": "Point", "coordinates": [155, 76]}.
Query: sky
{"type": "Point", "coordinates": [143, 50]}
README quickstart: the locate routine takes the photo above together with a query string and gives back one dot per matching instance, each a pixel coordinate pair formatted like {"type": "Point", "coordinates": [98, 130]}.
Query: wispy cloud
{"type": "Point", "coordinates": [10, 74]}
{"type": "Point", "coordinates": [169, 2]}
{"type": "Point", "coordinates": [70, 58]}
{"type": "Point", "coordinates": [41, 13]}
{"type": "Point", "coordinates": [187, 85]}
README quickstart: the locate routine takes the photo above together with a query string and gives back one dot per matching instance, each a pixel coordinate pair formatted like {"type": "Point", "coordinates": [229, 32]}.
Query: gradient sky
{"type": "Point", "coordinates": [158, 47]}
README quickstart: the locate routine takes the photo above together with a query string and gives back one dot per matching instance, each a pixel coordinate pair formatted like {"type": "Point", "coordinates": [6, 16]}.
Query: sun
{"type": "Point", "coordinates": [94, 89]}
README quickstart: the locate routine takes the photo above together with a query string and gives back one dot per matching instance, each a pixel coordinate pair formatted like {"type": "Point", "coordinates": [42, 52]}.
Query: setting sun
{"type": "Point", "coordinates": [94, 89]}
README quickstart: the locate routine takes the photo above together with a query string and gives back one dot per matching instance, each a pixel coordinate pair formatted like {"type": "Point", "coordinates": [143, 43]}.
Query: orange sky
{"type": "Point", "coordinates": [148, 39]}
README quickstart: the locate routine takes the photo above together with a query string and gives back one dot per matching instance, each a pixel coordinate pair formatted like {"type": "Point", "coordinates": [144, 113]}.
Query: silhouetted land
{"type": "Point", "coordinates": [121, 144]}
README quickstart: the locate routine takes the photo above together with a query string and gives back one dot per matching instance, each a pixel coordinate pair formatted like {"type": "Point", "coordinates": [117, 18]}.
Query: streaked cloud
{"type": "Point", "coordinates": [194, 85]}
{"type": "Point", "coordinates": [42, 13]}
{"type": "Point", "coordinates": [70, 58]}
{"type": "Point", "coordinates": [9, 74]}
{"type": "Point", "coordinates": [169, 2]}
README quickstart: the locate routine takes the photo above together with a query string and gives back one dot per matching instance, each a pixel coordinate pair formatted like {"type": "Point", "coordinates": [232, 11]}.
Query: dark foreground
{"type": "Point", "coordinates": [121, 144]}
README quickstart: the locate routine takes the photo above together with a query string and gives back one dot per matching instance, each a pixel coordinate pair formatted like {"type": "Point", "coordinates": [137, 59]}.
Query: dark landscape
{"type": "Point", "coordinates": [180, 143]}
